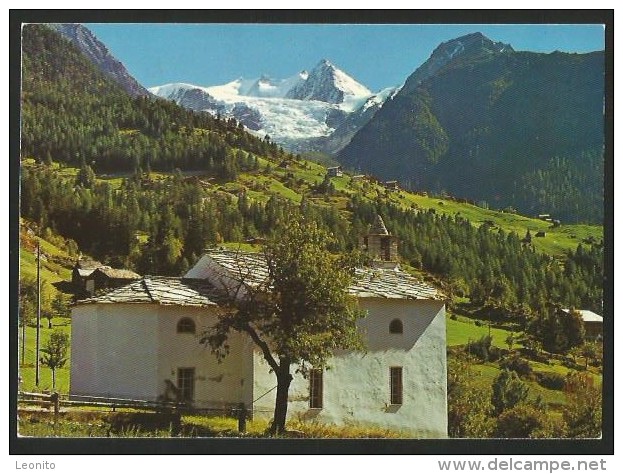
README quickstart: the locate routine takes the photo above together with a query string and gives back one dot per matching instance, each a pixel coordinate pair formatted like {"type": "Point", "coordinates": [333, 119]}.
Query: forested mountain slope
{"type": "Point", "coordinates": [482, 121]}
{"type": "Point", "coordinates": [75, 114]}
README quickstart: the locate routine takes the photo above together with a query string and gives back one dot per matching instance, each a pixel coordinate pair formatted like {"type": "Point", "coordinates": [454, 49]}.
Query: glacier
{"type": "Point", "coordinates": [306, 107]}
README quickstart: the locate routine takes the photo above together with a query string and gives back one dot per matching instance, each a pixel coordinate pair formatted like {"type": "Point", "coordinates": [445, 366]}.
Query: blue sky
{"type": "Point", "coordinates": [376, 55]}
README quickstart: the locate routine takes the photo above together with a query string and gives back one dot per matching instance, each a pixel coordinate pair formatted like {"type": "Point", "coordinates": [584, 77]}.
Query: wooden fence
{"type": "Point", "coordinates": [55, 401]}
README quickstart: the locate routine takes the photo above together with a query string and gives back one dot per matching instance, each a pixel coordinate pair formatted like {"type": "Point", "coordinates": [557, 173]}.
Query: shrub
{"type": "Point", "coordinates": [583, 411]}
{"type": "Point", "coordinates": [551, 380]}
{"type": "Point", "coordinates": [479, 348]}
{"type": "Point", "coordinates": [469, 406]}
{"type": "Point", "coordinates": [517, 364]}
{"type": "Point", "coordinates": [527, 421]}
{"type": "Point", "coordinates": [495, 353]}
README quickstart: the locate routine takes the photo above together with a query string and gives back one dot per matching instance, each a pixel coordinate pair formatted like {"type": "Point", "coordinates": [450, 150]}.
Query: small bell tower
{"type": "Point", "coordinates": [380, 244]}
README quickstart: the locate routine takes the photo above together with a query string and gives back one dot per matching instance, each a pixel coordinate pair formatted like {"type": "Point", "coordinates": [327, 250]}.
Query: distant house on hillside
{"type": "Point", "coordinates": [106, 277]}
{"type": "Point", "coordinates": [141, 341]}
{"type": "Point", "coordinates": [391, 185]}
{"type": "Point", "coordinates": [255, 240]}
{"type": "Point", "coordinates": [593, 324]}
{"type": "Point", "coordinates": [334, 171]}
{"type": "Point", "coordinates": [82, 269]}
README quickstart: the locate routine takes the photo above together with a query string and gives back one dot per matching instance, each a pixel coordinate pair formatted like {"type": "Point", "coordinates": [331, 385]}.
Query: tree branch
{"type": "Point", "coordinates": [262, 345]}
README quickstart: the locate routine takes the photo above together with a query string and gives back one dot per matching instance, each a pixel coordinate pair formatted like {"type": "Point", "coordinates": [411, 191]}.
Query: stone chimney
{"type": "Point", "coordinates": [381, 245]}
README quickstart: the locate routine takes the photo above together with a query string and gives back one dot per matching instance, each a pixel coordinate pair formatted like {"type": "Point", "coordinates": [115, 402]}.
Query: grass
{"type": "Point", "coordinates": [223, 425]}
{"type": "Point", "coordinates": [28, 371]}
{"type": "Point", "coordinates": [82, 423]}
{"type": "Point", "coordinates": [261, 187]}
{"type": "Point", "coordinates": [241, 246]}
{"type": "Point", "coordinates": [51, 269]}
{"type": "Point", "coordinates": [296, 427]}
{"type": "Point", "coordinates": [93, 424]}
{"type": "Point", "coordinates": [321, 430]}
{"type": "Point", "coordinates": [462, 330]}
{"type": "Point", "coordinates": [487, 372]}
{"type": "Point", "coordinates": [556, 241]}
{"type": "Point", "coordinates": [51, 272]}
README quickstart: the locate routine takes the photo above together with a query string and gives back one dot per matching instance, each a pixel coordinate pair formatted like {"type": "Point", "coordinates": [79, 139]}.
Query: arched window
{"type": "Point", "coordinates": [186, 325]}
{"type": "Point", "coordinates": [395, 327]}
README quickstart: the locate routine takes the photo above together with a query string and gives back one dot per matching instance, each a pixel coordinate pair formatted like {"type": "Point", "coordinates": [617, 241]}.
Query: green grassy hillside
{"type": "Point", "coordinates": [27, 370]}
{"type": "Point", "coordinates": [57, 257]}
{"type": "Point", "coordinates": [301, 176]}
{"type": "Point", "coordinates": [58, 254]}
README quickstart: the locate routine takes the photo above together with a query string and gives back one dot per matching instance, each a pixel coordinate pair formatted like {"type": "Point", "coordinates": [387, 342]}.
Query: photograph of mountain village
{"type": "Point", "coordinates": [223, 233]}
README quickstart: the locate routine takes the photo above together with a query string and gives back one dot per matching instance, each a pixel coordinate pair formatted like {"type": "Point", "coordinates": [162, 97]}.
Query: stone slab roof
{"type": "Point", "coordinates": [85, 263]}
{"type": "Point", "coordinates": [247, 266]}
{"type": "Point", "coordinates": [391, 283]}
{"type": "Point", "coordinates": [369, 282]}
{"type": "Point", "coordinates": [159, 290]}
{"type": "Point", "coordinates": [588, 316]}
{"type": "Point", "coordinates": [120, 273]}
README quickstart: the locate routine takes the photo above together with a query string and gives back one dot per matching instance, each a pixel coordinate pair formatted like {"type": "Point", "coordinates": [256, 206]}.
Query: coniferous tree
{"type": "Point", "coordinates": [508, 391]}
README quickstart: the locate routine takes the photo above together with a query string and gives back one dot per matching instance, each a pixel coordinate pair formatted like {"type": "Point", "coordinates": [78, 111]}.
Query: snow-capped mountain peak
{"type": "Point", "coordinates": [299, 111]}
{"type": "Point", "coordinates": [329, 84]}
{"type": "Point", "coordinates": [167, 90]}
{"type": "Point", "coordinates": [265, 86]}
{"type": "Point", "coordinates": [190, 96]}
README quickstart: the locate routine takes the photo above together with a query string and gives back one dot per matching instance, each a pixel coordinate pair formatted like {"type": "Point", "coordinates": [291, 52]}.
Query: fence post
{"type": "Point", "coordinates": [54, 398]}
{"type": "Point", "coordinates": [176, 422]}
{"type": "Point", "coordinates": [242, 418]}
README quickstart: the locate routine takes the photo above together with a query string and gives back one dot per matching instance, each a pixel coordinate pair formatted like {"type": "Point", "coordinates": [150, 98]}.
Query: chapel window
{"type": "Point", "coordinates": [186, 325]}
{"type": "Point", "coordinates": [395, 385]}
{"type": "Point", "coordinates": [395, 327]}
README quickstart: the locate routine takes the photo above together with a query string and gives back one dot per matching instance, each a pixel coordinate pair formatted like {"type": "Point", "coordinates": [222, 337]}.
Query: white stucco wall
{"type": "Point", "coordinates": [129, 350]}
{"type": "Point", "coordinates": [217, 384]}
{"type": "Point", "coordinates": [357, 386]}
{"type": "Point", "coordinates": [113, 351]}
